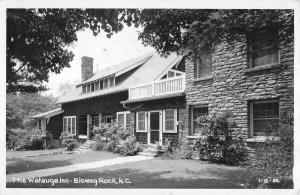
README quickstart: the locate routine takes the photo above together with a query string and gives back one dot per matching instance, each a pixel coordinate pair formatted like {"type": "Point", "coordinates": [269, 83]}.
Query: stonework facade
{"type": "Point", "coordinates": [233, 85]}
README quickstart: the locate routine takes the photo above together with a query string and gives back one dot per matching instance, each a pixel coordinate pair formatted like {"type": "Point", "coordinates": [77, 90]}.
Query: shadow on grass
{"type": "Point", "coordinates": [22, 165]}
{"type": "Point", "coordinates": [127, 178]}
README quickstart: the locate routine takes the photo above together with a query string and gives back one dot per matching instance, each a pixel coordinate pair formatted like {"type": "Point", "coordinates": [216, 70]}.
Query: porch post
{"type": "Point", "coordinates": [88, 126]}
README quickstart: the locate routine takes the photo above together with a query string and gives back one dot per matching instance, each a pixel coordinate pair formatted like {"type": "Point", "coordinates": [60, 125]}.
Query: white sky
{"type": "Point", "coordinates": [105, 52]}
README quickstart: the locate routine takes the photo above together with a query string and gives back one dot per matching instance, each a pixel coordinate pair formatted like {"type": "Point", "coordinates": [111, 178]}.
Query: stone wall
{"type": "Point", "coordinates": [233, 85]}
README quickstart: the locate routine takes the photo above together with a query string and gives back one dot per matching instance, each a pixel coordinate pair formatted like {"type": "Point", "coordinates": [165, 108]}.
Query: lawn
{"type": "Point", "coordinates": [17, 162]}
{"type": "Point", "coordinates": [154, 173]}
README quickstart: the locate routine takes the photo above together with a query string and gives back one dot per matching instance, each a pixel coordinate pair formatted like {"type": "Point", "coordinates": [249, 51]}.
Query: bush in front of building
{"type": "Point", "coordinates": [217, 143]}
{"type": "Point", "coordinates": [116, 138]}
{"type": "Point", "coordinates": [68, 141]}
{"type": "Point", "coordinates": [21, 139]}
{"type": "Point", "coordinates": [129, 146]}
{"type": "Point", "coordinates": [181, 151]}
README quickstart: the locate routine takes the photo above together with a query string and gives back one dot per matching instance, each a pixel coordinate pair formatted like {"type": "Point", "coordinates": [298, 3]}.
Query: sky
{"type": "Point", "coordinates": [106, 52]}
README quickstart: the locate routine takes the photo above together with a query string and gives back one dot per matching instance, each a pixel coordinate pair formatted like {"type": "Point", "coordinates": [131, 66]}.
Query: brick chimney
{"type": "Point", "coordinates": [86, 68]}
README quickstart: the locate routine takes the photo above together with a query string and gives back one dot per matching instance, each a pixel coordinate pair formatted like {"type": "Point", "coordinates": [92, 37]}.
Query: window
{"type": "Point", "coordinates": [92, 87]}
{"type": "Point", "coordinates": [264, 118]}
{"type": "Point", "coordinates": [111, 81]}
{"type": "Point", "coordinates": [101, 84]}
{"type": "Point", "coordinates": [109, 118]}
{"type": "Point", "coordinates": [197, 111]}
{"type": "Point", "coordinates": [141, 122]}
{"type": "Point", "coordinates": [105, 83]}
{"type": "Point", "coordinates": [123, 118]}
{"type": "Point", "coordinates": [83, 88]}
{"type": "Point", "coordinates": [95, 120]}
{"type": "Point", "coordinates": [88, 88]}
{"type": "Point", "coordinates": [170, 121]}
{"type": "Point", "coordinates": [69, 124]}
{"type": "Point", "coordinates": [96, 85]}
{"type": "Point", "coordinates": [263, 50]}
{"type": "Point", "coordinates": [204, 63]}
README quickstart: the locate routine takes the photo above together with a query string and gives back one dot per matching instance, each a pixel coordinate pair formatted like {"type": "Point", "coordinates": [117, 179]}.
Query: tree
{"type": "Point", "coordinates": [37, 41]}
{"type": "Point", "coordinates": [20, 106]}
{"type": "Point", "coordinates": [181, 30]}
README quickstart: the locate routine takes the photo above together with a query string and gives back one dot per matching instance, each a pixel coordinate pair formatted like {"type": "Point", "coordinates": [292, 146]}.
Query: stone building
{"type": "Point", "coordinates": [161, 98]}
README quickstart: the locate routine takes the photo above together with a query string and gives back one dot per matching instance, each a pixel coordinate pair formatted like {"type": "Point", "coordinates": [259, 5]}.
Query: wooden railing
{"type": "Point", "coordinates": [158, 88]}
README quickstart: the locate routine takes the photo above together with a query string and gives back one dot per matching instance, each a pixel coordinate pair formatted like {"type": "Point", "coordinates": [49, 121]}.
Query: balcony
{"type": "Point", "coordinates": [158, 88]}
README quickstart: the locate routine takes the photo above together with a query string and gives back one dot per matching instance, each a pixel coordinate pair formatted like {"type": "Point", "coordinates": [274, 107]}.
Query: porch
{"type": "Point", "coordinates": [159, 88]}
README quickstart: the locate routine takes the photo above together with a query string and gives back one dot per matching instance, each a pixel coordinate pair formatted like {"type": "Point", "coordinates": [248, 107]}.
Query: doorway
{"type": "Point", "coordinates": [155, 127]}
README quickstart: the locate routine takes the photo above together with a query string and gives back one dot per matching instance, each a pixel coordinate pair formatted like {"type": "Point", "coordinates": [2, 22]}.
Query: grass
{"type": "Point", "coordinates": [155, 173]}
{"type": "Point", "coordinates": [22, 164]}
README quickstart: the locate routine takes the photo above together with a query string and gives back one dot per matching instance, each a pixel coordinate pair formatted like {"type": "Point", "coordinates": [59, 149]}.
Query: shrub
{"type": "Point", "coordinates": [117, 139]}
{"type": "Point", "coordinates": [99, 145]}
{"type": "Point", "coordinates": [171, 151]}
{"type": "Point", "coordinates": [217, 143]}
{"type": "Point", "coordinates": [68, 141]}
{"type": "Point", "coordinates": [53, 144]}
{"type": "Point", "coordinates": [128, 147]}
{"type": "Point", "coordinates": [37, 143]}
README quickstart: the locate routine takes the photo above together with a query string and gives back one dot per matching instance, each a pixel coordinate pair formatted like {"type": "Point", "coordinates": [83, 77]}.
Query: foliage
{"type": "Point", "coordinates": [178, 30]}
{"type": "Point", "coordinates": [182, 151]}
{"type": "Point", "coordinates": [69, 141]}
{"type": "Point", "coordinates": [20, 106]}
{"type": "Point", "coordinates": [116, 138]}
{"type": "Point", "coordinates": [53, 144]}
{"type": "Point", "coordinates": [37, 41]}
{"type": "Point", "coordinates": [20, 139]}
{"type": "Point", "coordinates": [217, 142]}
{"type": "Point", "coordinates": [128, 147]}
{"type": "Point", "coordinates": [274, 158]}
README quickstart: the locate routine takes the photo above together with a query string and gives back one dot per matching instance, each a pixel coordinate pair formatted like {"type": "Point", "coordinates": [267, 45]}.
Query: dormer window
{"type": "Point", "coordinates": [98, 85]}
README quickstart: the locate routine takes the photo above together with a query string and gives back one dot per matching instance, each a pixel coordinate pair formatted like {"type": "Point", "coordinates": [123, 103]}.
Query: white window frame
{"type": "Point", "coordinates": [125, 116]}
{"type": "Point", "coordinates": [109, 116]}
{"type": "Point", "coordinates": [175, 122]}
{"type": "Point", "coordinates": [251, 115]}
{"type": "Point", "coordinates": [137, 123]}
{"type": "Point", "coordinates": [66, 130]}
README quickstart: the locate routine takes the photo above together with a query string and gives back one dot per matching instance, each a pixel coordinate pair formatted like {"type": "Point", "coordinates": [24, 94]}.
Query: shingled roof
{"type": "Point", "coordinates": [150, 66]}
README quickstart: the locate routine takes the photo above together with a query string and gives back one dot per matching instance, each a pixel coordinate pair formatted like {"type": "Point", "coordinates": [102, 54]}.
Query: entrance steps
{"type": "Point", "coordinates": [151, 150]}
{"type": "Point", "coordinates": [86, 146]}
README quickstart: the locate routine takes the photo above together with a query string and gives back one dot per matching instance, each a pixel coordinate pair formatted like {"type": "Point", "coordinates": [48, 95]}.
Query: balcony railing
{"type": "Point", "coordinates": [158, 88]}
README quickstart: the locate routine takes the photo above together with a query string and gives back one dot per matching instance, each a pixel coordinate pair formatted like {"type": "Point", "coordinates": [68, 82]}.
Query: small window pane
{"type": "Point", "coordinates": [69, 125]}
{"type": "Point", "coordinates": [65, 124]}
{"type": "Point", "coordinates": [128, 119]}
{"type": "Point", "coordinates": [73, 125]}
{"type": "Point", "coordinates": [265, 118]}
{"type": "Point", "coordinates": [204, 63]}
{"type": "Point", "coordinates": [83, 88]}
{"type": "Point", "coordinates": [141, 120]}
{"type": "Point", "coordinates": [169, 120]}
{"type": "Point", "coordinates": [197, 112]}
{"type": "Point", "coordinates": [88, 88]}
{"type": "Point", "coordinates": [111, 82]}
{"type": "Point", "coordinates": [97, 86]}
{"type": "Point", "coordinates": [105, 83]}
{"type": "Point", "coordinates": [101, 84]}
{"type": "Point", "coordinates": [121, 119]}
